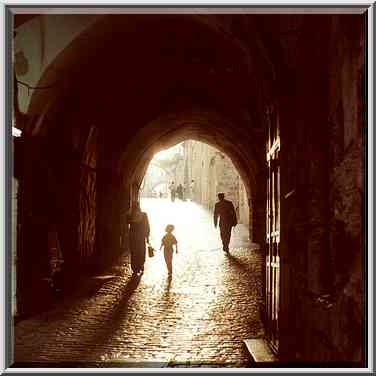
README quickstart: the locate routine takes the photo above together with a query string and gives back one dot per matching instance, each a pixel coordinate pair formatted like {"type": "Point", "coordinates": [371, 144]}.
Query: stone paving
{"type": "Point", "coordinates": [199, 318]}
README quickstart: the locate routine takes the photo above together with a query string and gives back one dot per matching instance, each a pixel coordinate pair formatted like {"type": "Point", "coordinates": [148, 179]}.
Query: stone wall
{"type": "Point", "coordinates": [37, 210]}
{"type": "Point", "coordinates": [244, 209]}
{"type": "Point", "coordinates": [322, 207]}
{"type": "Point", "coordinates": [213, 172]}
{"type": "Point", "coordinates": [87, 199]}
{"type": "Point", "coordinates": [179, 174]}
{"type": "Point", "coordinates": [346, 182]}
{"type": "Point", "coordinates": [336, 318]}
{"type": "Point", "coordinates": [57, 199]}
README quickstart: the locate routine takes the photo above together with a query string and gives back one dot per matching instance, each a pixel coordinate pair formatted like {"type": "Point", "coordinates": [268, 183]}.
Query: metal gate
{"type": "Point", "coordinates": [273, 234]}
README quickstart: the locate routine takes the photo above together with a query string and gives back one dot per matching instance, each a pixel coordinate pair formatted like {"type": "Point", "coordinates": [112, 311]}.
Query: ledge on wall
{"type": "Point", "coordinates": [259, 350]}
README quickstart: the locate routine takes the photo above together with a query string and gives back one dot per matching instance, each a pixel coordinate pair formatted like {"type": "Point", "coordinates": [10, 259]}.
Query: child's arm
{"type": "Point", "coordinates": [176, 247]}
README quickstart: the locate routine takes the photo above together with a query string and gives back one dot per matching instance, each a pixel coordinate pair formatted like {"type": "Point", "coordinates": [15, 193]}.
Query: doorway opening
{"type": "Point", "coordinates": [180, 187]}
{"type": "Point", "coordinates": [208, 284]}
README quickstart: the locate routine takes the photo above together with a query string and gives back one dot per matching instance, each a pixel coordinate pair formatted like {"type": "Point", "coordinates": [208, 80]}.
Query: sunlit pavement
{"type": "Point", "coordinates": [194, 230]}
{"type": "Point", "coordinates": [199, 318]}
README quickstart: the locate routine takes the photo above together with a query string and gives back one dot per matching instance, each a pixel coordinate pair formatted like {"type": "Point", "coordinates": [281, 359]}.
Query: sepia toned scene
{"type": "Point", "coordinates": [188, 188]}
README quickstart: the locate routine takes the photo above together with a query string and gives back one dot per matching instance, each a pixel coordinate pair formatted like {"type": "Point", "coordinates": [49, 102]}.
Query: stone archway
{"type": "Point", "coordinates": [153, 93]}
{"type": "Point", "coordinates": [184, 98]}
{"type": "Point", "coordinates": [66, 111]}
{"type": "Point", "coordinates": [205, 126]}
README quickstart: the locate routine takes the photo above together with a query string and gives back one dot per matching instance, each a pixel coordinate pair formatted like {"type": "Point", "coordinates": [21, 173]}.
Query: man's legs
{"type": "Point", "coordinates": [225, 236]}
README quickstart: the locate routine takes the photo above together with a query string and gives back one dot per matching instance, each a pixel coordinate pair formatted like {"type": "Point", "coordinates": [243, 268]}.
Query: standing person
{"type": "Point", "coordinates": [179, 191]}
{"type": "Point", "coordinates": [191, 189]}
{"type": "Point", "coordinates": [172, 191]}
{"type": "Point", "coordinates": [139, 231]}
{"type": "Point", "coordinates": [185, 192]}
{"type": "Point", "coordinates": [168, 242]}
{"type": "Point", "coordinates": [224, 209]}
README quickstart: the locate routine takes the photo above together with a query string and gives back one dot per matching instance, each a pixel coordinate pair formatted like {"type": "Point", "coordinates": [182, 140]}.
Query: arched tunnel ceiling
{"type": "Point", "coordinates": [208, 127]}
{"type": "Point", "coordinates": [144, 65]}
{"type": "Point", "coordinates": [131, 74]}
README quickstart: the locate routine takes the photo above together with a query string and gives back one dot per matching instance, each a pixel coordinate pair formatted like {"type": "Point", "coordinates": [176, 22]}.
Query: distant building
{"type": "Point", "coordinates": [212, 172]}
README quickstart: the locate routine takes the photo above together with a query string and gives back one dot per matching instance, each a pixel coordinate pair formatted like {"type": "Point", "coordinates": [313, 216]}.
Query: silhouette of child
{"type": "Point", "coordinates": [168, 241]}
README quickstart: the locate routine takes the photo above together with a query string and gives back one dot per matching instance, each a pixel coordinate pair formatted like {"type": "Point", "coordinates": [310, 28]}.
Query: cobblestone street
{"type": "Point", "coordinates": [199, 318]}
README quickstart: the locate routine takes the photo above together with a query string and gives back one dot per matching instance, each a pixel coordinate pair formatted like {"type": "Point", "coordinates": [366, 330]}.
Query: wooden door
{"type": "Point", "coordinates": [273, 234]}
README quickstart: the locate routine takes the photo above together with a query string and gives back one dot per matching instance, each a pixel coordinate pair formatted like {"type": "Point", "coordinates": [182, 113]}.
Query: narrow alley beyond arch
{"type": "Point", "coordinates": [201, 317]}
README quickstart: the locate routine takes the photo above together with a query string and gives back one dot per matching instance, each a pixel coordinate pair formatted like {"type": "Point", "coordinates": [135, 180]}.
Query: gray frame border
{"type": "Point", "coordinates": [8, 144]}
{"type": "Point", "coordinates": [8, 149]}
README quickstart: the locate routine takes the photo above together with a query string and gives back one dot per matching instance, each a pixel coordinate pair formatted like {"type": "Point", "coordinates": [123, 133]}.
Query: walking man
{"type": "Point", "coordinates": [172, 191]}
{"type": "Point", "coordinates": [224, 209]}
